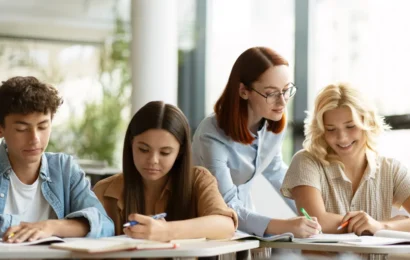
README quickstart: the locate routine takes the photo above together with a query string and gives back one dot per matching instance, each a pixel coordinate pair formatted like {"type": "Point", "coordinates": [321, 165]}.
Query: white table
{"type": "Point", "coordinates": [373, 252]}
{"type": "Point", "coordinates": [186, 251]}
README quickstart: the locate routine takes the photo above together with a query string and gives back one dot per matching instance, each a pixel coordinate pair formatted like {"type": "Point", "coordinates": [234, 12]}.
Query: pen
{"type": "Point", "coordinates": [343, 225]}
{"type": "Point", "coordinates": [133, 223]}
{"type": "Point", "coordinates": [307, 216]}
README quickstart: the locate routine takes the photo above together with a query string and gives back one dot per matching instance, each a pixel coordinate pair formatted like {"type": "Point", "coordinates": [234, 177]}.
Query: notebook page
{"type": "Point", "coordinates": [377, 241]}
{"type": "Point", "coordinates": [268, 238]}
{"type": "Point", "coordinates": [328, 238]}
{"type": "Point", "coordinates": [110, 245]}
{"type": "Point", "coordinates": [47, 240]}
{"type": "Point", "coordinates": [392, 234]}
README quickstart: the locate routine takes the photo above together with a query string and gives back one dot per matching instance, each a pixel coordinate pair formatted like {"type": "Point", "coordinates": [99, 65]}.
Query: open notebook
{"type": "Point", "coordinates": [383, 237]}
{"type": "Point", "coordinates": [42, 241]}
{"type": "Point", "coordinates": [104, 245]}
{"type": "Point", "coordinates": [126, 238]}
{"type": "Point", "coordinates": [329, 238]}
{"type": "Point", "coordinates": [289, 237]}
{"type": "Point", "coordinates": [90, 245]}
{"type": "Point", "coordinates": [285, 237]}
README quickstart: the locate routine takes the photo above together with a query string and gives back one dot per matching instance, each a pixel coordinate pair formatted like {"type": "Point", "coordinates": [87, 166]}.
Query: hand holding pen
{"type": "Point", "coordinates": [148, 227]}
{"type": "Point", "coordinates": [361, 223]}
{"type": "Point", "coordinates": [133, 222]}
{"type": "Point", "coordinates": [307, 216]}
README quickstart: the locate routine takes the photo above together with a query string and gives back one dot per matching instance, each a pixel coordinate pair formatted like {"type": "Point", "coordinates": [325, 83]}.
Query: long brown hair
{"type": "Point", "coordinates": [230, 109]}
{"type": "Point", "coordinates": [158, 115]}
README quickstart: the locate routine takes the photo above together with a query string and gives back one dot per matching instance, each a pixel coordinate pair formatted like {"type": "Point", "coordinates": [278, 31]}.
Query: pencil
{"type": "Point", "coordinates": [11, 235]}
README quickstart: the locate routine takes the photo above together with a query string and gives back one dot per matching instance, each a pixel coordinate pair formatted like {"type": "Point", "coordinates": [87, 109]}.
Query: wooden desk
{"type": "Point", "coordinates": [373, 252]}
{"type": "Point", "coordinates": [185, 251]}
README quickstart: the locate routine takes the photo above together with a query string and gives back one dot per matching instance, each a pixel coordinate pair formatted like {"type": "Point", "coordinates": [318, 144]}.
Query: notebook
{"type": "Point", "coordinates": [42, 241]}
{"type": "Point", "coordinates": [176, 241]}
{"type": "Point", "coordinates": [329, 238]}
{"type": "Point", "coordinates": [289, 237]}
{"type": "Point", "coordinates": [383, 237]}
{"type": "Point", "coordinates": [285, 237]}
{"type": "Point", "coordinates": [86, 245]}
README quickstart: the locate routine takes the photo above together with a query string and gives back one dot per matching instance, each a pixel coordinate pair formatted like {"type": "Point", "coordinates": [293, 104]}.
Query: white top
{"type": "Point", "coordinates": [27, 201]}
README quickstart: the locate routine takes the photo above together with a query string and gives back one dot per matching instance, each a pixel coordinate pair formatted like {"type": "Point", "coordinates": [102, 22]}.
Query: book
{"type": "Point", "coordinates": [43, 241]}
{"type": "Point", "coordinates": [103, 245]}
{"type": "Point", "coordinates": [285, 237]}
{"type": "Point", "coordinates": [289, 237]}
{"type": "Point", "coordinates": [175, 241]}
{"type": "Point", "coordinates": [329, 238]}
{"type": "Point", "coordinates": [383, 237]}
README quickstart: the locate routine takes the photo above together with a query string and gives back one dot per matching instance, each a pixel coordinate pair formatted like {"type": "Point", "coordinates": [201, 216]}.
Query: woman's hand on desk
{"type": "Point", "coordinates": [361, 223]}
{"type": "Point", "coordinates": [148, 228]}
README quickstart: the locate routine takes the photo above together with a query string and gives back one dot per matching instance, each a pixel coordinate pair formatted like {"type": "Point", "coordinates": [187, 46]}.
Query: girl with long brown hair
{"type": "Point", "coordinates": [158, 177]}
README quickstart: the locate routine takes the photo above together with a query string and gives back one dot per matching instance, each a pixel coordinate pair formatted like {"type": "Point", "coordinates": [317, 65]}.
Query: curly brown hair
{"type": "Point", "coordinates": [25, 95]}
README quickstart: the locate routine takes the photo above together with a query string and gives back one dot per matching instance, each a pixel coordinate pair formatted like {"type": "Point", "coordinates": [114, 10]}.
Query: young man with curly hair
{"type": "Point", "coordinates": [41, 194]}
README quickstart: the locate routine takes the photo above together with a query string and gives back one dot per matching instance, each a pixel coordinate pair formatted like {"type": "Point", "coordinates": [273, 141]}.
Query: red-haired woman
{"type": "Point", "coordinates": [243, 139]}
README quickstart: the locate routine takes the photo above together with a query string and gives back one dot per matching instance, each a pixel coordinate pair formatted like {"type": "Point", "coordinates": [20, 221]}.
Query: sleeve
{"type": "Point", "coordinates": [84, 203]}
{"type": "Point", "coordinates": [275, 174]}
{"type": "Point", "coordinates": [303, 170]}
{"type": "Point", "coordinates": [8, 220]}
{"type": "Point", "coordinates": [401, 182]}
{"type": "Point", "coordinates": [214, 156]}
{"type": "Point", "coordinates": [209, 200]}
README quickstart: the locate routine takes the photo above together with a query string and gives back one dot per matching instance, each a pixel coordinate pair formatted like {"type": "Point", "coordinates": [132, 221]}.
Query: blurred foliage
{"type": "Point", "coordinates": [96, 133]}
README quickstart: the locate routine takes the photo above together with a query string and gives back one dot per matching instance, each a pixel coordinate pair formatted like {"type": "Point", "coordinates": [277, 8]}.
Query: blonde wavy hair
{"type": "Point", "coordinates": [364, 115]}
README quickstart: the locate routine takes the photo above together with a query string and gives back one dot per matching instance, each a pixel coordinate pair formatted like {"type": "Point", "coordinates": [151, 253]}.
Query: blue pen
{"type": "Point", "coordinates": [133, 223]}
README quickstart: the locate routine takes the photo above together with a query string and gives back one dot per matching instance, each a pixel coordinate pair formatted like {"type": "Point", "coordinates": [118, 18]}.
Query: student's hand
{"type": "Point", "coordinates": [361, 223]}
{"type": "Point", "coordinates": [302, 227]}
{"type": "Point", "coordinates": [148, 228]}
{"type": "Point", "coordinates": [28, 232]}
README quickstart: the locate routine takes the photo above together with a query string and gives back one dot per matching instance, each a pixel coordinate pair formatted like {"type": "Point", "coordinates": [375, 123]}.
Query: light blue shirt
{"type": "Point", "coordinates": [64, 187]}
{"type": "Point", "coordinates": [235, 165]}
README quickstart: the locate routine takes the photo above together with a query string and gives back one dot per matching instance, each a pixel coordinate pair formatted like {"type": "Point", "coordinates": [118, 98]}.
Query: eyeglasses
{"type": "Point", "coordinates": [275, 96]}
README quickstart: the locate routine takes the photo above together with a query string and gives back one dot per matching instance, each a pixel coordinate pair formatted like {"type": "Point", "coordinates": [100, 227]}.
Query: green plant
{"type": "Point", "coordinates": [97, 132]}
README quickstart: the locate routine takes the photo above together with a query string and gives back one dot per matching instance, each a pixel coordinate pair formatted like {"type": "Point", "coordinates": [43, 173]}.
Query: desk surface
{"type": "Point", "coordinates": [199, 249]}
{"type": "Point", "coordinates": [336, 247]}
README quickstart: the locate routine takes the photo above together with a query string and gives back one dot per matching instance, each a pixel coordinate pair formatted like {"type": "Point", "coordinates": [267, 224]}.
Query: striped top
{"type": "Point", "coordinates": [385, 183]}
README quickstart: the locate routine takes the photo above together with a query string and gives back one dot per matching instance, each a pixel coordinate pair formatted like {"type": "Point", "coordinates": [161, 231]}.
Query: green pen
{"type": "Point", "coordinates": [307, 216]}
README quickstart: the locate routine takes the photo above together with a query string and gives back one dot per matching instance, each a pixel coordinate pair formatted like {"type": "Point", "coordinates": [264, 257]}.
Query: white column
{"type": "Point", "coordinates": [154, 47]}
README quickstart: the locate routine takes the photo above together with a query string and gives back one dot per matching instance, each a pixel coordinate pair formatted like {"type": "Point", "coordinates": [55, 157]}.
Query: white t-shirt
{"type": "Point", "coordinates": [27, 201]}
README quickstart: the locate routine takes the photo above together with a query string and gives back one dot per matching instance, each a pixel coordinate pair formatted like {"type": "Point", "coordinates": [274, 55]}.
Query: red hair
{"type": "Point", "coordinates": [230, 109]}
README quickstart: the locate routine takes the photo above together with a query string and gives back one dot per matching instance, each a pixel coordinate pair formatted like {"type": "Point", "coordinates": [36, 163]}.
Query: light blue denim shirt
{"type": "Point", "coordinates": [235, 165]}
{"type": "Point", "coordinates": [64, 187]}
